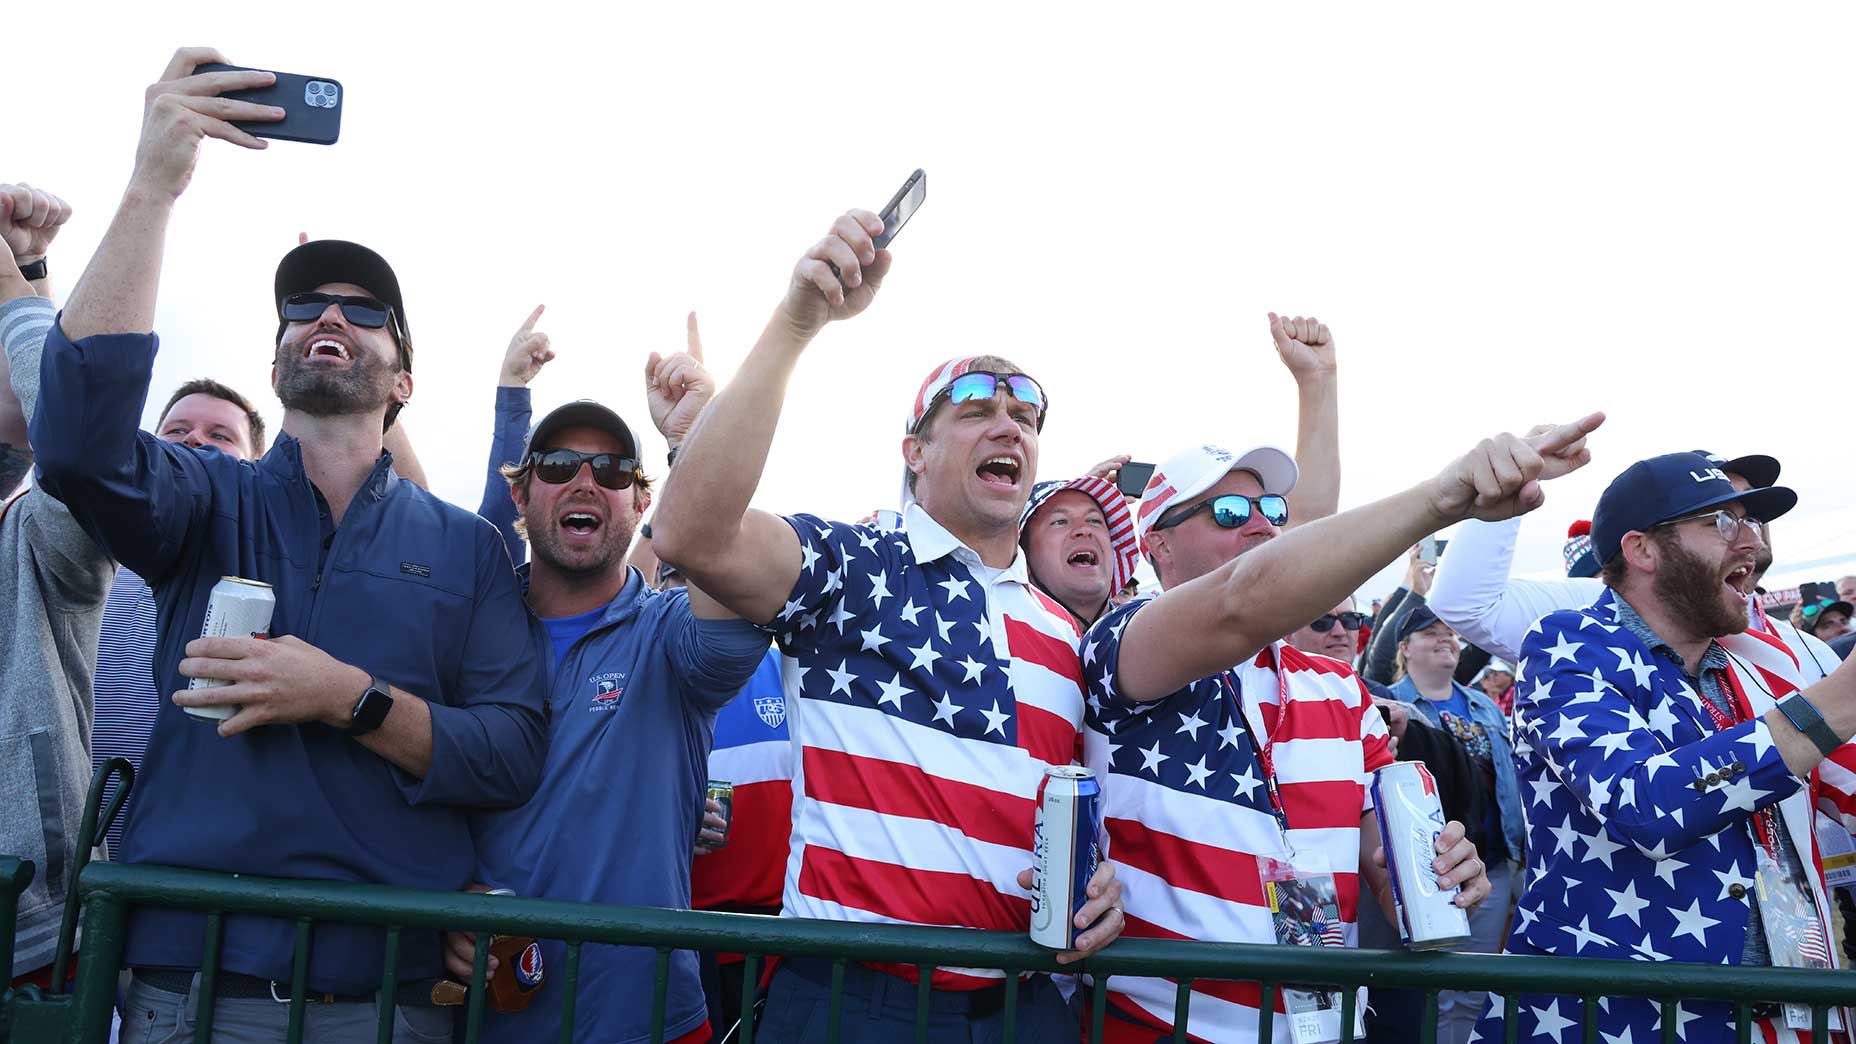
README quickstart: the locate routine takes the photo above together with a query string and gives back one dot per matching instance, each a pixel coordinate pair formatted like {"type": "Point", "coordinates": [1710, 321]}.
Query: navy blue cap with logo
{"type": "Point", "coordinates": [1416, 620]}
{"type": "Point", "coordinates": [1673, 486]}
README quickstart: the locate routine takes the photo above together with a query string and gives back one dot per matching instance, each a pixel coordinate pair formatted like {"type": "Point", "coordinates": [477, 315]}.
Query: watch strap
{"type": "Point", "coordinates": [1806, 719]}
{"type": "Point", "coordinates": [371, 709]}
{"type": "Point", "coordinates": [35, 270]}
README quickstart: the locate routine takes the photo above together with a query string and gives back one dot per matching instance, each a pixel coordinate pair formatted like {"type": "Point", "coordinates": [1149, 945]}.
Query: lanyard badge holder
{"type": "Point", "coordinates": [1303, 903]}
{"type": "Point", "coordinates": [1795, 936]}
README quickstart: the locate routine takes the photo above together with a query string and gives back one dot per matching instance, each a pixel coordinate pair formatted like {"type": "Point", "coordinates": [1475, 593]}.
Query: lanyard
{"type": "Point", "coordinates": [1764, 821]}
{"type": "Point", "coordinates": [1265, 751]}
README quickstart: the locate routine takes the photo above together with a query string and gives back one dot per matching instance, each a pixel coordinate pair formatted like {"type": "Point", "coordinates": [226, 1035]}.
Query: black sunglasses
{"type": "Point", "coordinates": [361, 311]}
{"type": "Point", "coordinates": [1326, 621]}
{"type": "Point", "coordinates": [1233, 510]}
{"type": "Point", "coordinates": [559, 466]}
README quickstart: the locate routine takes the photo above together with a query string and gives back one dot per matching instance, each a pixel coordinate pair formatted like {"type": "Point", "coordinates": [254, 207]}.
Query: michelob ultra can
{"type": "Point", "coordinates": [1411, 818]}
{"type": "Point", "coordinates": [1066, 848]}
{"type": "Point", "coordinates": [721, 792]}
{"type": "Point", "coordinates": [236, 608]}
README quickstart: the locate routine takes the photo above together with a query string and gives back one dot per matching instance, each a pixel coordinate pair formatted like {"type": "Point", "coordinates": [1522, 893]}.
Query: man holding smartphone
{"type": "Point", "coordinates": [930, 687]}
{"type": "Point", "coordinates": [400, 687]}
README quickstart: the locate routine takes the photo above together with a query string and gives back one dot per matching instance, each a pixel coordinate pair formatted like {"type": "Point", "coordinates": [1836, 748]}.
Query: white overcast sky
{"type": "Point", "coordinates": [1507, 215]}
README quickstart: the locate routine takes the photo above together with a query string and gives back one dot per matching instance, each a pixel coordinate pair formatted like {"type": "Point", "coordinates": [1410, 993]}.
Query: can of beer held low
{"type": "Point", "coordinates": [1066, 848]}
{"type": "Point", "coordinates": [1411, 817]}
{"type": "Point", "coordinates": [235, 608]}
{"type": "Point", "coordinates": [722, 792]}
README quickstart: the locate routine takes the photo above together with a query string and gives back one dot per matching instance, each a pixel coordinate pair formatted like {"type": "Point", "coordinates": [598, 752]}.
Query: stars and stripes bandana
{"type": "Point", "coordinates": [942, 376]}
{"type": "Point", "coordinates": [1114, 510]}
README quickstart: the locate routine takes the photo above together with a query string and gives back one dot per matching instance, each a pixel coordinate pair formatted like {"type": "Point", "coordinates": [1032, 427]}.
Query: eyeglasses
{"type": "Point", "coordinates": [1233, 510]}
{"type": "Point", "coordinates": [558, 467]}
{"type": "Point", "coordinates": [981, 386]}
{"type": "Point", "coordinates": [361, 311]}
{"type": "Point", "coordinates": [1325, 622]}
{"type": "Point", "coordinates": [1811, 611]}
{"type": "Point", "coordinates": [1725, 522]}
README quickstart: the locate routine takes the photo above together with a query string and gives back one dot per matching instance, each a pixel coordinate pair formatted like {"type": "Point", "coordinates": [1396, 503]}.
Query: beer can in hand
{"type": "Point", "coordinates": [722, 792]}
{"type": "Point", "coordinates": [1066, 849]}
{"type": "Point", "coordinates": [518, 969]}
{"type": "Point", "coordinates": [235, 608]}
{"type": "Point", "coordinates": [1411, 818]}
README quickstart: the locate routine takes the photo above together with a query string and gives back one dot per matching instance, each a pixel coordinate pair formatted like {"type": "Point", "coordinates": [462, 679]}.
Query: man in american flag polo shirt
{"type": "Point", "coordinates": [929, 686]}
{"type": "Point", "coordinates": [1226, 753]}
{"type": "Point", "coordinates": [1670, 753]}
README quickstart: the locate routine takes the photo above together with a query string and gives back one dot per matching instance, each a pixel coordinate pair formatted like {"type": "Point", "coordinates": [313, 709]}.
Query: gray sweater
{"type": "Point", "coordinates": [52, 588]}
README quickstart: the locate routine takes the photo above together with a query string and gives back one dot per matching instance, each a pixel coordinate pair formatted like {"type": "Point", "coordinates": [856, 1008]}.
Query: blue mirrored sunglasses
{"type": "Point", "coordinates": [980, 386]}
{"type": "Point", "coordinates": [1233, 510]}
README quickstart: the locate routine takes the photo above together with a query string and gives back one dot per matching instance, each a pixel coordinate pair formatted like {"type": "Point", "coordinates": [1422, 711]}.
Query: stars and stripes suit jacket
{"type": "Point", "coordinates": [1640, 812]}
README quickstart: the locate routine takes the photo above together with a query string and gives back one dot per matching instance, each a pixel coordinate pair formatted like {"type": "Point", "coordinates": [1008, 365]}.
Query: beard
{"type": "Point", "coordinates": [366, 386]}
{"type": "Point", "coordinates": [1692, 591]}
{"type": "Point", "coordinates": [546, 545]}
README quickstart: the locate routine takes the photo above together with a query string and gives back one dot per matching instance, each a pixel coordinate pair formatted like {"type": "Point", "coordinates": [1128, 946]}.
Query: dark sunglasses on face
{"type": "Point", "coordinates": [1325, 623]}
{"type": "Point", "coordinates": [361, 311]}
{"type": "Point", "coordinates": [558, 467]}
{"type": "Point", "coordinates": [982, 386]}
{"type": "Point", "coordinates": [1810, 611]}
{"type": "Point", "coordinates": [1233, 510]}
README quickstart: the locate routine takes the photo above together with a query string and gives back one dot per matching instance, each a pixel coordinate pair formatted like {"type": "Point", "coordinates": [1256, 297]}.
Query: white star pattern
{"type": "Point", "coordinates": [1548, 1022]}
{"type": "Point", "coordinates": [841, 614]}
{"type": "Point", "coordinates": [956, 589]}
{"type": "Point", "coordinates": [1197, 773]}
{"type": "Point", "coordinates": [910, 611]}
{"type": "Point", "coordinates": [1740, 795]}
{"type": "Point", "coordinates": [946, 628]}
{"type": "Point", "coordinates": [1151, 759]}
{"type": "Point", "coordinates": [996, 719]}
{"type": "Point", "coordinates": [879, 590]}
{"type": "Point", "coordinates": [1626, 903]}
{"type": "Point", "coordinates": [1666, 869]}
{"type": "Point", "coordinates": [944, 709]}
{"type": "Point", "coordinates": [812, 556]}
{"type": "Point", "coordinates": [1583, 935]}
{"type": "Point", "coordinates": [1246, 782]}
{"type": "Point", "coordinates": [1692, 922]}
{"type": "Point", "coordinates": [1600, 847]}
{"type": "Point", "coordinates": [1569, 728]}
{"type": "Point", "coordinates": [1227, 736]}
{"type": "Point", "coordinates": [841, 678]}
{"type": "Point", "coordinates": [1649, 951]}
{"type": "Point", "coordinates": [1632, 661]}
{"type": "Point", "coordinates": [1190, 724]}
{"type": "Point", "coordinates": [925, 656]}
{"type": "Point", "coordinates": [893, 691]}
{"type": "Point", "coordinates": [872, 639]}
{"type": "Point", "coordinates": [1663, 720]}
{"type": "Point", "coordinates": [1729, 878]}
{"type": "Point", "coordinates": [1566, 650]}
{"type": "Point", "coordinates": [975, 669]}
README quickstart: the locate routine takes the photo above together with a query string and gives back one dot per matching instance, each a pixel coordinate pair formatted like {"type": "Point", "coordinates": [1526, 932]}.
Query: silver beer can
{"type": "Point", "coordinates": [1411, 818]}
{"type": "Point", "coordinates": [1066, 849]}
{"type": "Point", "coordinates": [236, 608]}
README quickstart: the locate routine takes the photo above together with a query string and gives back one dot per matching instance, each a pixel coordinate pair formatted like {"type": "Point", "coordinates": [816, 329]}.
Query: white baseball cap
{"type": "Point", "coordinates": [1190, 472]}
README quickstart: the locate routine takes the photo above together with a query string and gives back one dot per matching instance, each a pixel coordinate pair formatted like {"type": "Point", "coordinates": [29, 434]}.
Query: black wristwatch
{"type": "Point", "coordinates": [371, 709]}
{"type": "Point", "coordinates": [35, 270]}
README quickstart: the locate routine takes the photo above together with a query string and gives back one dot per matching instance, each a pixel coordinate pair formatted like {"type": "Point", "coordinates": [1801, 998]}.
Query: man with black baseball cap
{"type": "Point", "coordinates": [1666, 747]}
{"type": "Point", "coordinates": [400, 687]}
{"type": "Point", "coordinates": [638, 676]}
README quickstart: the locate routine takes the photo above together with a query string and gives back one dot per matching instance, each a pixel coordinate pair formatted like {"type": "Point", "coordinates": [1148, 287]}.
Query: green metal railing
{"type": "Point", "coordinates": [110, 891]}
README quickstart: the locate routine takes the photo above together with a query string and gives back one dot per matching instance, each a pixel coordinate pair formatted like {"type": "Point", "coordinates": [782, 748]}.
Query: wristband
{"type": "Point", "coordinates": [33, 271]}
{"type": "Point", "coordinates": [1806, 719]}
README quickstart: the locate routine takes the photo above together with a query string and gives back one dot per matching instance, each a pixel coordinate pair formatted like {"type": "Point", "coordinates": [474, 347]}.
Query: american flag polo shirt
{"type": "Point", "coordinates": [1188, 811]}
{"type": "Point", "coordinates": [926, 695]}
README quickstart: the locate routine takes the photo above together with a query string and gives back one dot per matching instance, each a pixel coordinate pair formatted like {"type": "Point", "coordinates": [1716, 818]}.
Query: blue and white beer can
{"type": "Point", "coordinates": [1411, 818]}
{"type": "Point", "coordinates": [1066, 849]}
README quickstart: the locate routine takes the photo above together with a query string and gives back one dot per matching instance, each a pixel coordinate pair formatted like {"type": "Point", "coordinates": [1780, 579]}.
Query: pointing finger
{"type": "Point", "coordinates": [533, 317]}
{"type": "Point", "coordinates": [1565, 435]}
{"type": "Point", "coordinates": [695, 338]}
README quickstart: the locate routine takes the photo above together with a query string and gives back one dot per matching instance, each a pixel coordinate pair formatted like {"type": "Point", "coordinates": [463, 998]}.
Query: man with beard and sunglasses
{"type": "Point", "coordinates": [1223, 749]}
{"type": "Point", "coordinates": [1665, 747]}
{"type": "Point", "coordinates": [399, 688]}
{"type": "Point", "coordinates": [637, 677]}
{"type": "Point", "coordinates": [930, 686]}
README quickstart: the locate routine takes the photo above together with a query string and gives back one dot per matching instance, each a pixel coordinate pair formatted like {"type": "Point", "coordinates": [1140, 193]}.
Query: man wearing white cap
{"type": "Point", "coordinates": [929, 685]}
{"type": "Point", "coordinates": [1222, 749]}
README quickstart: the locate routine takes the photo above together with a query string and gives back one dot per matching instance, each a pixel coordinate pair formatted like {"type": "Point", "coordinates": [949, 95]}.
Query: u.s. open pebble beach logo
{"type": "Point", "coordinates": [608, 689]}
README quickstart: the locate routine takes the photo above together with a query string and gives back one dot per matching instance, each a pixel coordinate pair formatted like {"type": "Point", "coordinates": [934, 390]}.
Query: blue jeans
{"type": "Point", "coordinates": [881, 1007]}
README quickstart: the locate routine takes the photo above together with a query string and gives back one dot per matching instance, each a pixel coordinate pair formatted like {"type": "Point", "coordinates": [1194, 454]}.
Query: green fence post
{"type": "Point", "coordinates": [1349, 997]}
{"type": "Point", "coordinates": [1266, 1011]}
{"type": "Point", "coordinates": [1669, 1021]}
{"type": "Point", "coordinates": [750, 981]}
{"type": "Point", "coordinates": [660, 995]}
{"type": "Point", "coordinates": [1511, 1020]}
{"type": "Point", "coordinates": [1182, 1010]}
{"type": "Point", "coordinates": [479, 985]}
{"type": "Point", "coordinates": [1588, 1017]}
{"type": "Point", "coordinates": [834, 1026]}
{"type": "Point", "coordinates": [299, 983]}
{"type": "Point", "coordinates": [1098, 1009]}
{"type": "Point", "coordinates": [106, 922]}
{"type": "Point", "coordinates": [924, 981]}
{"type": "Point", "coordinates": [1011, 1006]}
{"type": "Point", "coordinates": [1743, 1024]}
{"type": "Point", "coordinates": [570, 991]}
{"type": "Point", "coordinates": [209, 979]}
{"type": "Point", "coordinates": [389, 988]}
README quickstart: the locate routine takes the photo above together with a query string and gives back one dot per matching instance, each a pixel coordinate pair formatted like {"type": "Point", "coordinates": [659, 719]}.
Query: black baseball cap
{"type": "Point", "coordinates": [1416, 620]}
{"type": "Point", "coordinates": [1758, 469]}
{"type": "Point", "coordinates": [322, 261]}
{"type": "Point", "coordinates": [582, 413]}
{"type": "Point", "coordinates": [1673, 485]}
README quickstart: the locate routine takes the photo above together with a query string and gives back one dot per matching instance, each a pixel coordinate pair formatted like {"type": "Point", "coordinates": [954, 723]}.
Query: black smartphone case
{"type": "Point", "coordinates": [312, 106]}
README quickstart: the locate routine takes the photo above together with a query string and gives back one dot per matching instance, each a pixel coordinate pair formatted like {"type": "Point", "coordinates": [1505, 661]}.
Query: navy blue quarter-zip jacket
{"type": "Point", "coordinates": [409, 588]}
